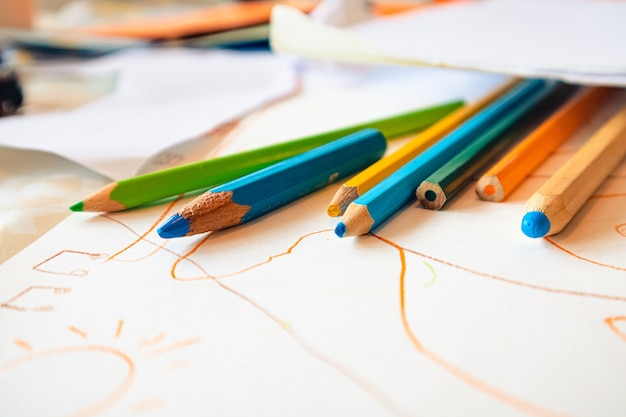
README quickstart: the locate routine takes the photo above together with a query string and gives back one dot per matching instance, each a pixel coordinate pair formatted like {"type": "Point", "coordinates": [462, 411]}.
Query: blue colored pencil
{"type": "Point", "coordinates": [255, 194]}
{"type": "Point", "coordinates": [390, 195]}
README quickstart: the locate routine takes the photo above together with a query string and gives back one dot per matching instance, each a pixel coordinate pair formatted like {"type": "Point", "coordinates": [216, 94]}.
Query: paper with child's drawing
{"type": "Point", "coordinates": [576, 41]}
{"type": "Point", "coordinates": [443, 313]}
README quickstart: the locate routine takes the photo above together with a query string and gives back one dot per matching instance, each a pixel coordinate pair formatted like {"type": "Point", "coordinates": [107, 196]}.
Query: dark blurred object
{"type": "Point", "coordinates": [11, 95]}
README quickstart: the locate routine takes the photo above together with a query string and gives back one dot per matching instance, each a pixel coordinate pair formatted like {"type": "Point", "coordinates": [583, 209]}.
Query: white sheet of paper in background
{"type": "Point", "coordinates": [578, 41]}
{"type": "Point", "coordinates": [280, 317]}
{"type": "Point", "coordinates": [162, 96]}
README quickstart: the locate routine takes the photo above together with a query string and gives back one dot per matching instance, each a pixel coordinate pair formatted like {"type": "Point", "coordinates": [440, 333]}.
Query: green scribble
{"type": "Point", "coordinates": [432, 281]}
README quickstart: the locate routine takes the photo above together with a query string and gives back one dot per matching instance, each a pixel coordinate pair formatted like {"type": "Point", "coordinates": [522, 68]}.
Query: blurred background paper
{"type": "Point", "coordinates": [576, 41]}
{"type": "Point", "coordinates": [161, 96]}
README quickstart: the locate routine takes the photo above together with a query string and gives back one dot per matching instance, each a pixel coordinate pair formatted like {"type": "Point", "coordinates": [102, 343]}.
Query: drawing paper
{"type": "Point", "coordinates": [444, 313]}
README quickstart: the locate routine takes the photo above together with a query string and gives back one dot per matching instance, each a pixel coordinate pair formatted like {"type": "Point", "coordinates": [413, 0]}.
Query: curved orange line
{"type": "Point", "coordinates": [514, 282]}
{"type": "Point", "coordinates": [241, 271]}
{"type": "Point", "coordinates": [611, 323]}
{"type": "Point", "coordinates": [480, 385]}
{"type": "Point", "coordinates": [101, 405]}
{"type": "Point", "coordinates": [582, 258]}
{"type": "Point", "coordinates": [150, 229]}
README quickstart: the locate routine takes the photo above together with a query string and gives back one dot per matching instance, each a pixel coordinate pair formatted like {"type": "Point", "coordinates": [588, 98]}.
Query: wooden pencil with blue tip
{"type": "Point", "coordinates": [253, 195]}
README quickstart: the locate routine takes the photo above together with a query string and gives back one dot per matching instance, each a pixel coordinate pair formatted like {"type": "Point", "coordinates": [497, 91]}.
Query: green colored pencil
{"type": "Point", "coordinates": [171, 182]}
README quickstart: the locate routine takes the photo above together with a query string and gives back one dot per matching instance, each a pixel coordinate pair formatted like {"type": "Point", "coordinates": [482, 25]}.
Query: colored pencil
{"type": "Point", "coordinates": [255, 194]}
{"type": "Point", "coordinates": [390, 195]}
{"type": "Point", "coordinates": [362, 182]}
{"type": "Point", "coordinates": [447, 181]}
{"type": "Point", "coordinates": [558, 200]}
{"type": "Point", "coordinates": [149, 188]}
{"type": "Point", "coordinates": [505, 175]}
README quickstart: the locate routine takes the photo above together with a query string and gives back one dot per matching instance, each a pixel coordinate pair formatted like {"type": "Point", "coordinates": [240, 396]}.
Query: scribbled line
{"type": "Point", "coordinates": [151, 341]}
{"type": "Point", "coordinates": [171, 347]}
{"type": "Point", "coordinates": [147, 405]}
{"type": "Point", "coordinates": [78, 331]}
{"type": "Point", "coordinates": [180, 364]}
{"type": "Point", "coordinates": [432, 271]}
{"type": "Point", "coordinates": [512, 281]}
{"type": "Point", "coordinates": [118, 330]}
{"type": "Point", "coordinates": [10, 304]}
{"type": "Point", "coordinates": [75, 272]}
{"type": "Point", "coordinates": [582, 258]}
{"type": "Point", "coordinates": [492, 391]}
{"type": "Point", "coordinates": [365, 385]}
{"type": "Point", "coordinates": [621, 229]}
{"type": "Point", "coordinates": [610, 321]}
{"type": "Point", "coordinates": [207, 275]}
{"type": "Point", "coordinates": [143, 236]}
{"type": "Point", "coordinates": [23, 345]}
{"type": "Point", "coordinates": [99, 406]}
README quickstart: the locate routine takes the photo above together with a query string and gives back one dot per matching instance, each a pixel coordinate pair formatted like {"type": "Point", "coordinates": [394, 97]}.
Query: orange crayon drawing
{"type": "Point", "coordinates": [82, 263]}
{"type": "Point", "coordinates": [143, 235]}
{"type": "Point", "coordinates": [44, 369]}
{"type": "Point", "coordinates": [484, 387]}
{"type": "Point", "coordinates": [24, 345]}
{"type": "Point", "coordinates": [612, 323]}
{"type": "Point", "coordinates": [58, 359]}
{"type": "Point", "coordinates": [35, 298]}
{"type": "Point", "coordinates": [78, 331]}
{"type": "Point", "coordinates": [157, 345]}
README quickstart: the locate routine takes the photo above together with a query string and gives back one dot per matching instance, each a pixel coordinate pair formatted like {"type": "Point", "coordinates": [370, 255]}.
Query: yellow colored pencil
{"type": "Point", "coordinates": [506, 174]}
{"type": "Point", "coordinates": [556, 202]}
{"type": "Point", "coordinates": [365, 180]}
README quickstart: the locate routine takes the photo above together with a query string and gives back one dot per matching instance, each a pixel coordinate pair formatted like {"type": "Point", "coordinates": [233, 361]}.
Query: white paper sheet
{"type": "Point", "coordinates": [572, 40]}
{"type": "Point", "coordinates": [162, 96]}
{"type": "Point", "coordinates": [439, 314]}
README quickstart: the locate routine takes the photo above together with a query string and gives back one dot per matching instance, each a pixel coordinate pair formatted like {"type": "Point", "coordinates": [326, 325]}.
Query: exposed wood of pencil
{"type": "Point", "coordinates": [101, 200]}
{"type": "Point", "coordinates": [213, 211]}
{"type": "Point", "coordinates": [368, 178]}
{"type": "Point", "coordinates": [498, 182]}
{"type": "Point", "coordinates": [570, 187]}
{"type": "Point", "coordinates": [357, 221]}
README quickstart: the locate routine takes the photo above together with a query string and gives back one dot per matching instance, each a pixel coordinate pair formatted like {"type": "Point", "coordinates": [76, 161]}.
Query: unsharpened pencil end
{"type": "Point", "coordinates": [535, 224]}
{"type": "Point", "coordinates": [176, 226]}
{"type": "Point", "coordinates": [77, 207]}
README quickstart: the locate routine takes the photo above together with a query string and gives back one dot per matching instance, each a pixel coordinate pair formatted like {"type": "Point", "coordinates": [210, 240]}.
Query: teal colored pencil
{"type": "Point", "coordinates": [447, 181]}
{"type": "Point", "coordinates": [390, 195]}
{"type": "Point", "coordinates": [255, 194]}
{"type": "Point", "coordinates": [155, 186]}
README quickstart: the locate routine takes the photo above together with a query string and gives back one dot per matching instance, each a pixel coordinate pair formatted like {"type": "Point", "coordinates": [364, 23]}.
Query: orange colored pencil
{"type": "Point", "coordinates": [514, 167]}
{"type": "Point", "coordinates": [211, 19]}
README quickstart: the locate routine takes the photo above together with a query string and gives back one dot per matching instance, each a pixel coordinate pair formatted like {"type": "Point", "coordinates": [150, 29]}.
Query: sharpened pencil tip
{"type": "Point", "coordinates": [176, 226]}
{"type": "Point", "coordinates": [77, 206]}
{"type": "Point", "coordinates": [535, 224]}
{"type": "Point", "coordinates": [340, 230]}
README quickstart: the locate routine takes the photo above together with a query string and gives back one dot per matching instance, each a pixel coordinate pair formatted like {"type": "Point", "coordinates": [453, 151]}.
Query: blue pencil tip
{"type": "Point", "coordinates": [340, 230]}
{"type": "Point", "coordinates": [176, 226]}
{"type": "Point", "coordinates": [535, 224]}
